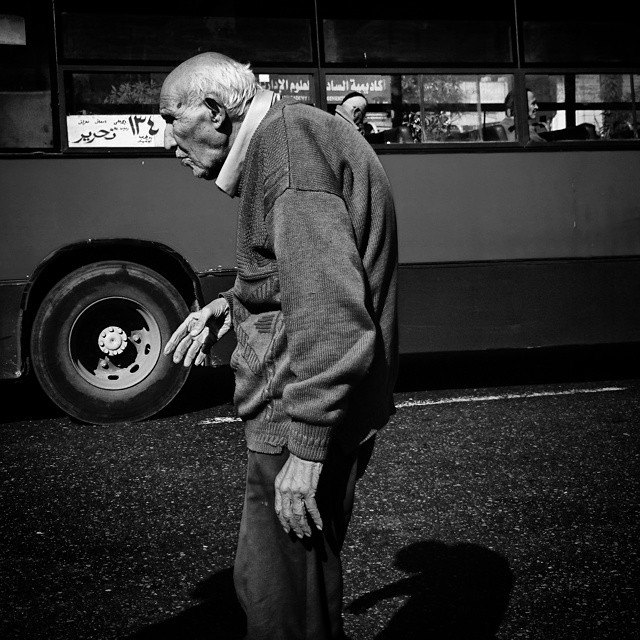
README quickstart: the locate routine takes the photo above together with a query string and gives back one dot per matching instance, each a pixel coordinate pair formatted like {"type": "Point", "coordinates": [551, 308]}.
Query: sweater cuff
{"type": "Point", "coordinates": [309, 442]}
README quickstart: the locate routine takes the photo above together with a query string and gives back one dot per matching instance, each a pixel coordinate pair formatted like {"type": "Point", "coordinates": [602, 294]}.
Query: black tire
{"type": "Point", "coordinates": [97, 342]}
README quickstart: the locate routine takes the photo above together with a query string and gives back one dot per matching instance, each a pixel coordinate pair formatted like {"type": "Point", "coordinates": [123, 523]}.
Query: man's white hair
{"type": "Point", "coordinates": [229, 82]}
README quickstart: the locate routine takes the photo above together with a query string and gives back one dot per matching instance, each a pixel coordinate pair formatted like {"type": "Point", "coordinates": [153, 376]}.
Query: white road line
{"type": "Point", "coordinates": [220, 420]}
{"type": "Point", "coordinates": [505, 396]}
{"type": "Point", "coordinates": [426, 403]}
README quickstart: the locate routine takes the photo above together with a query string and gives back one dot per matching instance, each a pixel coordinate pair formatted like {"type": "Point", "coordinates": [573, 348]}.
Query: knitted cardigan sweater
{"type": "Point", "coordinates": [314, 301]}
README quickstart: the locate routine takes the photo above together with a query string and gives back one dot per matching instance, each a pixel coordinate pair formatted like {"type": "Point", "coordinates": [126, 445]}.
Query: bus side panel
{"type": "Point", "coordinates": [512, 206]}
{"type": "Point", "coordinates": [10, 298]}
{"type": "Point", "coordinates": [49, 203]}
{"type": "Point", "coordinates": [502, 305]}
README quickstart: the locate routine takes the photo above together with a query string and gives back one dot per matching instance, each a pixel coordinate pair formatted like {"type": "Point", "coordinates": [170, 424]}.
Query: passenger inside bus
{"type": "Point", "coordinates": [538, 132]}
{"type": "Point", "coordinates": [353, 109]}
{"type": "Point", "coordinates": [536, 129]}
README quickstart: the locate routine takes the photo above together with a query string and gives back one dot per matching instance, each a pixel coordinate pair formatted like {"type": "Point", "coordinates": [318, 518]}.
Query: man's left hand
{"type": "Point", "coordinates": [296, 486]}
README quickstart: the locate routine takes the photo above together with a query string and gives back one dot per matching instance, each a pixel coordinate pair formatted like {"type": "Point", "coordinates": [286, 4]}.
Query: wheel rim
{"type": "Point", "coordinates": [114, 343]}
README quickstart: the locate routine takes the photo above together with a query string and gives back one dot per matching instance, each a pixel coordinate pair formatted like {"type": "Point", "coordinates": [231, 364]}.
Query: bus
{"type": "Point", "coordinates": [518, 228]}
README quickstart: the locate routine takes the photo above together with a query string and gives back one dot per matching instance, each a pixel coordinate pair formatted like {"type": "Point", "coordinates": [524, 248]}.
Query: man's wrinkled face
{"type": "Point", "coordinates": [194, 132]}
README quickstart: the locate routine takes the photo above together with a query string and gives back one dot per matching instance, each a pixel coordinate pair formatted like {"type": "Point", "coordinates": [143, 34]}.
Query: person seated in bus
{"type": "Point", "coordinates": [353, 109]}
{"type": "Point", "coordinates": [536, 129]}
{"type": "Point", "coordinates": [538, 132]}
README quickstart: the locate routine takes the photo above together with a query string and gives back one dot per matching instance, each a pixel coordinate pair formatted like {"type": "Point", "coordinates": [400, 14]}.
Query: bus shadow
{"type": "Point", "coordinates": [24, 399]}
{"type": "Point", "coordinates": [218, 615]}
{"type": "Point", "coordinates": [434, 371]}
{"type": "Point", "coordinates": [455, 592]}
{"type": "Point", "coordinates": [207, 387]}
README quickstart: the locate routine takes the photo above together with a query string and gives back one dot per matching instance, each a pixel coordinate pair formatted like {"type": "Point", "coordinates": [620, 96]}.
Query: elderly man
{"type": "Point", "coordinates": [353, 109]}
{"type": "Point", "coordinates": [314, 311]}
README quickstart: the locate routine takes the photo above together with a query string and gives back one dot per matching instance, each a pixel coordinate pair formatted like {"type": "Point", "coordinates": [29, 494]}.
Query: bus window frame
{"type": "Point", "coordinates": [319, 78]}
{"type": "Point", "coordinates": [570, 102]}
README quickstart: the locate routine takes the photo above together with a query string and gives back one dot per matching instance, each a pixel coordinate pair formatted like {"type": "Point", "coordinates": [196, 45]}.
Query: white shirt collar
{"type": "Point", "coordinates": [231, 172]}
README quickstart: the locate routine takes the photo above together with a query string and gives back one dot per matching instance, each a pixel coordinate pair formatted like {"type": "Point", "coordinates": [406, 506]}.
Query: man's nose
{"type": "Point", "coordinates": [169, 140]}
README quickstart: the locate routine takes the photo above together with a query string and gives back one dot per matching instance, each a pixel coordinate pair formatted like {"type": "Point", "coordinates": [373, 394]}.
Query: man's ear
{"type": "Point", "coordinates": [218, 112]}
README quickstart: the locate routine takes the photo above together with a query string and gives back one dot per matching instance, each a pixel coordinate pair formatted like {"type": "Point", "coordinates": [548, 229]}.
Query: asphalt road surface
{"type": "Point", "coordinates": [501, 502]}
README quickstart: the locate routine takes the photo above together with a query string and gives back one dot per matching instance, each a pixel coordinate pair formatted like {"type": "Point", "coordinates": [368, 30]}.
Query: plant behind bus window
{"type": "Point", "coordinates": [141, 92]}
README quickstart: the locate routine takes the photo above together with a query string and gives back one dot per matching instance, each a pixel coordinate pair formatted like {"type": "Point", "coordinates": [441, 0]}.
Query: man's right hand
{"type": "Point", "coordinates": [192, 340]}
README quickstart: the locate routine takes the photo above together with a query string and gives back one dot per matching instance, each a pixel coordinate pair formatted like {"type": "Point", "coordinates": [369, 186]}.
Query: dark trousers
{"type": "Point", "coordinates": [291, 589]}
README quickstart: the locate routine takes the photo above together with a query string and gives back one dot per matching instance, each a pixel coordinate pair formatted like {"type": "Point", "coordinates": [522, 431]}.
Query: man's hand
{"type": "Point", "coordinates": [192, 340]}
{"type": "Point", "coordinates": [296, 486]}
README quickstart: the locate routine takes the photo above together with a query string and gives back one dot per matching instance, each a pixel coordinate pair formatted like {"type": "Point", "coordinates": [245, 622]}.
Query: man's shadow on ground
{"type": "Point", "coordinates": [218, 615]}
{"type": "Point", "coordinates": [456, 592]}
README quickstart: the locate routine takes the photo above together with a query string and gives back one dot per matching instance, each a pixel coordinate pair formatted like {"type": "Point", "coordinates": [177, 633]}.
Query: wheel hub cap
{"type": "Point", "coordinates": [112, 341]}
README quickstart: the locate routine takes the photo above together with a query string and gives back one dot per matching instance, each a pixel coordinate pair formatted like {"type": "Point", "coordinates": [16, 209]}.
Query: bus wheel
{"type": "Point", "coordinates": [97, 341]}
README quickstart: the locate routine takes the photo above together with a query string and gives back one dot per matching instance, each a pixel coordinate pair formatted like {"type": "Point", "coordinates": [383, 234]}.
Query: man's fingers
{"type": "Point", "coordinates": [191, 327]}
{"type": "Point", "coordinates": [177, 336]}
{"type": "Point", "coordinates": [295, 489]}
{"type": "Point", "coordinates": [226, 325]}
{"type": "Point", "coordinates": [284, 523]}
{"type": "Point", "coordinates": [314, 512]}
{"type": "Point", "coordinates": [278, 501]}
{"type": "Point", "coordinates": [192, 352]}
{"type": "Point", "coordinates": [285, 513]}
{"type": "Point", "coordinates": [182, 348]}
{"type": "Point", "coordinates": [279, 498]}
{"type": "Point", "coordinates": [299, 517]}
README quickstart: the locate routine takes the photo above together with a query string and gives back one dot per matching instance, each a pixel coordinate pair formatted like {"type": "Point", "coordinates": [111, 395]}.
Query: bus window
{"type": "Point", "coordinates": [606, 102]}
{"type": "Point", "coordinates": [120, 110]}
{"type": "Point", "coordinates": [114, 110]}
{"type": "Point", "coordinates": [585, 106]}
{"type": "Point", "coordinates": [142, 31]}
{"type": "Point", "coordinates": [103, 93]}
{"type": "Point", "coordinates": [430, 107]}
{"type": "Point", "coordinates": [25, 85]}
{"type": "Point", "coordinates": [290, 85]}
{"type": "Point", "coordinates": [361, 34]}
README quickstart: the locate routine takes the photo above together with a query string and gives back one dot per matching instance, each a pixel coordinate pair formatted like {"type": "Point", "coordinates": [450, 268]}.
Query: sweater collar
{"type": "Point", "coordinates": [231, 171]}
